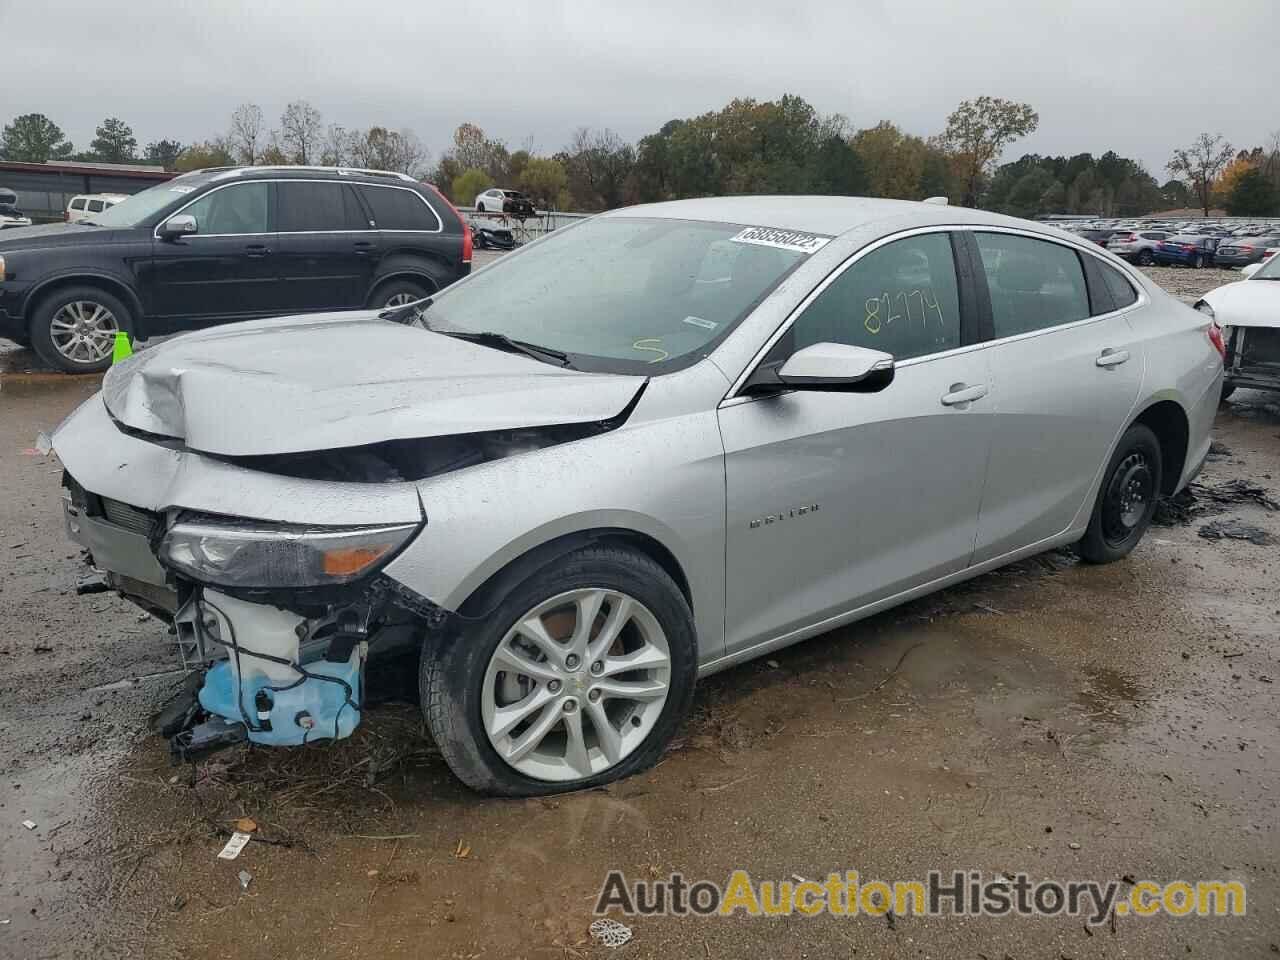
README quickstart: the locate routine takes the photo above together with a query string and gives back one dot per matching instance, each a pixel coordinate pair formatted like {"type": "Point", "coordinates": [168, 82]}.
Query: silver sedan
{"type": "Point", "coordinates": [641, 450]}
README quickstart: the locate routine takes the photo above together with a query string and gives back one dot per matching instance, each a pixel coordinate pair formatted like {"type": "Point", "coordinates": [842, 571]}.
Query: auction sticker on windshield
{"type": "Point", "coordinates": [796, 240]}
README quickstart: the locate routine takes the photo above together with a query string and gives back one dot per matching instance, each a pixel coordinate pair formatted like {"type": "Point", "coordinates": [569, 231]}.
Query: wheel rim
{"type": "Point", "coordinates": [1129, 494]}
{"type": "Point", "coordinates": [576, 685]}
{"type": "Point", "coordinates": [400, 299]}
{"type": "Point", "coordinates": [84, 331]}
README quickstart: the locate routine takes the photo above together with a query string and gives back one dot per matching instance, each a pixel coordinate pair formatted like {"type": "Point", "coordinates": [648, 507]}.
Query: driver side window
{"type": "Point", "coordinates": [235, 210]}
{"type": "Point", "coordinates": [902, 299]}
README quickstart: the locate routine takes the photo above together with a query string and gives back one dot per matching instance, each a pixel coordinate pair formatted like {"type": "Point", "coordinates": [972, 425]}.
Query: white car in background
{"type": "Point", "coordinates": [10, 215]}
{"type": "Point", "coordinates": [1249, 312]}
{"type": "Point", "coordinates": [85, 206]}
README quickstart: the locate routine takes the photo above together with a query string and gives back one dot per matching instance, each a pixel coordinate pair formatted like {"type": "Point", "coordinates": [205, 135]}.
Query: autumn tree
{"type": "Point", "coordinates": [34, 138]}
{"type": "Point", "coordinates": [977, 133]}
{"type": "Point", "coordinates": [545, 180]}
{"type": "Point", "coordinates": [1200, 164]}
{"type": "Point", "coordinates": [201, 156]}
{"type": "Point", "coordinates": [245, 136]}
{"type": "Point", "coordinates": [300, 132]}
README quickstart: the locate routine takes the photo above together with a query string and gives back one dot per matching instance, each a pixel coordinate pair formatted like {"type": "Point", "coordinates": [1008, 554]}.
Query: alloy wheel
{"type": "Point", "coordinates": [400, 299]}
{"type": "Point", "coordinates": [84, 331]}
{"type": "Point", "coordinates": [576, 684]}
{"type": "Point", "coordinates": [1129, 493]}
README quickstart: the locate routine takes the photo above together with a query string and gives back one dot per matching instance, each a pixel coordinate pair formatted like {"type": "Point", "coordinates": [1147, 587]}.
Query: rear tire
{"type": "Point", "coordinates": [1144, 258]}
{"type": "Point", "coordinates": [1198, 262]}
{"type": "Point", "coordinates": [1127, 498]}
{"type": "Point", "coordinates": [479, 208]}
{"type": "Point", "coordinates": [459, 684]}
{"type": "Point", "coordinates": [73, 329]}
{"type": "Point", "coordinates": [1228, 388]}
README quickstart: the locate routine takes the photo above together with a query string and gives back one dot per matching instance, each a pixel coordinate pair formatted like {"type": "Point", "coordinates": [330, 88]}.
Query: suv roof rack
{"type": "Point", "coordinates": [341, 171]}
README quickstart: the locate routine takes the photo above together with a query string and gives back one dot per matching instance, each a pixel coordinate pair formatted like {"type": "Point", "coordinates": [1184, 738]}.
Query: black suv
{"type": "Point", "coordinates": [215, 246]}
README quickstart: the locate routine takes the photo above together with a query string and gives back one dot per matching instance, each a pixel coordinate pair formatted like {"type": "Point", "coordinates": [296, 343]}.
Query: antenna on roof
{"type": "Point", "coordinates": [939, 201]}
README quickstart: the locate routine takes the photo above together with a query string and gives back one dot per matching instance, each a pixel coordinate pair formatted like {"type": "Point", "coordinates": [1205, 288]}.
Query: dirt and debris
{"type": "Point", "coordinates": [1199, 499]}
{"type": "Point", "coordinates": [1236, 530]}
{"type": "Point", "coordinates": [915, 740]}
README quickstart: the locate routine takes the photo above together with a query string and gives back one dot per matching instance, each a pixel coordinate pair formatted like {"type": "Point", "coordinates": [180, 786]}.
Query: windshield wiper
{"type": "Point", "coordinates": [500, 341]}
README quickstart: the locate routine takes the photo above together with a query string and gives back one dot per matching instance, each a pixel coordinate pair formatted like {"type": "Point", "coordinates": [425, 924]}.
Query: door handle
{"type": "Point", "coordinates": [363, 247]}
{"type": "Point", "coordinates": [960, 393]}
{"type": "Point", "coordinates": [257, 249]}
{"type": "Point", "coordinates": [1112, 358]}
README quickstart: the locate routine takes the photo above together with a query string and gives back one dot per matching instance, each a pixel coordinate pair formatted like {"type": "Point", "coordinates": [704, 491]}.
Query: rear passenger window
{"type": "Point", "coordinates": [394, 208]}
{"type": "Point", "coordinates": [1034, 284]}
{"type": "Point", "coordinates": [901, 299]}
{"type": "Point", "coordinates": [95, 206]}
{"type": "Point", "coordinates": [1121, 290]}
{"type": "Point", "coordinates": [307, 206]}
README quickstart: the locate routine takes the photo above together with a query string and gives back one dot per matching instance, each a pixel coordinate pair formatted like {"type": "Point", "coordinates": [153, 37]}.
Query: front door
{"type": "Point", "coordinates": [836, 500]}
{"type": "Point", "coordinates": [1063, 383]}
{"type": "Point", "coordinates": [225, 271]}
{"type": "Point", "coordinates": [328, 247]}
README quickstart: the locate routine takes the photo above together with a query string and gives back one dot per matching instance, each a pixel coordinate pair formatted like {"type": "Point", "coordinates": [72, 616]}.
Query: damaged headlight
{"type": "Point", "coordinates": [244, 554]}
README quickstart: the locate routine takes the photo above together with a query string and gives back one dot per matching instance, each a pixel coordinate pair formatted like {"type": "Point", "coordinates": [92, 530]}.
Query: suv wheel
{"type": "Point", "coordinates": [74, 329]}
{"type": "Point", "coordinates": [479, 208]}
{"type": "Point", "coordinates": [1198, 263]}
{"type": "Point", "coordinates": [1127, 499]}
{"type": "Point", "coordinates": [579, 676]}
{"type": "Point", "coordinates": [1144, 258]}
{"type": "Point", "coordinates": [396, 293]}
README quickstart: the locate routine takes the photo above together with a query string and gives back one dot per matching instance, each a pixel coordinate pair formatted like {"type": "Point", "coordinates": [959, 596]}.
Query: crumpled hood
{"type": "Point", "coordinates": [324, 381]}
{"type": "Point", "coordinates": [1246, 303]}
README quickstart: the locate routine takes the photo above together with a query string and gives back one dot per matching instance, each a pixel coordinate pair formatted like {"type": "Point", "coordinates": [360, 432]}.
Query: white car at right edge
{"type": "Point", "coordinates": [1249, 312]}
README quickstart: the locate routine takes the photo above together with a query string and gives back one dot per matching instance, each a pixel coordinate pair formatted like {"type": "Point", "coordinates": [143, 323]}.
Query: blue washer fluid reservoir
{"type": "Point", "coordinates": [284, 705]}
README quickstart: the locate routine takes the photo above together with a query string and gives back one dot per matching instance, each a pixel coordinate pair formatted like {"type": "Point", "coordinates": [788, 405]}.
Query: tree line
{"type": "Point", "coordinates": [748, 146]}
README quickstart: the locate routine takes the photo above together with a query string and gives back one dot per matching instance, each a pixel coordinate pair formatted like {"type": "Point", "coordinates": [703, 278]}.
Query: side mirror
{"type": "Point", "coordinates": [836, 367]}
{"type": "Point", "coordinates": [1251, 269]}
{"type": "Point", "coordinates": [179, 225]}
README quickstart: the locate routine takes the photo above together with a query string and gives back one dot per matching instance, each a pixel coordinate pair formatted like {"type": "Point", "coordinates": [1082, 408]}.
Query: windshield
{"type": "Point", "coordinates": [135, 210]}
{"type": "Point", "coordinates": [625, 294]}
{"type": "Point", "coordinates": [1270, 269]}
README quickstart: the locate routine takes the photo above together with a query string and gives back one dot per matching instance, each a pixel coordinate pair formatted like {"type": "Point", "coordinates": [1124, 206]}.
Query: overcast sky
{"type": "Point", "coordinates": [1138, 78]}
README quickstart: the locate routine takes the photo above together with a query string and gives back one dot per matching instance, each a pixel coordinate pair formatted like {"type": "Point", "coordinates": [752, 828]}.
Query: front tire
{"type": "Point", "coordinates": [1127, 498]}
{"type": "Point", "coordinates": [580, 675]}
{"type": "Point", "coordinates": [74, 329]}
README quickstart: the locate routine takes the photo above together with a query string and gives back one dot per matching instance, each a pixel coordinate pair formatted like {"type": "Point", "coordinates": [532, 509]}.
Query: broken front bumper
{"type": "Point", "coordinates": [1253, 358]}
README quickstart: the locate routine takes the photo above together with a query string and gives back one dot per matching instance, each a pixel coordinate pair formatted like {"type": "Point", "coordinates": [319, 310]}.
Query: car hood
{"type": "Point", "coordinates": [1246, 303]}
{"type": "Point", "coordinates": [326, 381]}
{"type": "Point", "coordinates": [44, 235]}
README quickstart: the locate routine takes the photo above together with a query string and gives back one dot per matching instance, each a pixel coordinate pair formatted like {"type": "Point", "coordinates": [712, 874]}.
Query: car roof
{"type": "Point", "coordinates": [293, 172]}
{"type": "Point", "coordinates": [825, 215]}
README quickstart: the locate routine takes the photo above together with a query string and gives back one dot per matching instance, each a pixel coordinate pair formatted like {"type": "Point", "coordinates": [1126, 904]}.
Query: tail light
{"type": "Point", "coordinates": [66, 217]}
{"type": "Point", "coordinates": [1214, 331]}
{"type": "Point", "coordinates": [467, 242]}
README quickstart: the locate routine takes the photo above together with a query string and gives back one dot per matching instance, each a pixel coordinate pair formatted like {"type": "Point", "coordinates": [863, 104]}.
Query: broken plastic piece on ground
{"type": "Point", "coordinates": [214, 734]}
{"type": "Point", "coordinates": [91, 583]}
{"type": "Point", "coordinates": [610, 933]}
{"type": "Point", "coordinates": [233, 847]}
{"type": "Point", "coordinates": [245, 879]}
{"type": "Point", "coordinates": [29, 824]}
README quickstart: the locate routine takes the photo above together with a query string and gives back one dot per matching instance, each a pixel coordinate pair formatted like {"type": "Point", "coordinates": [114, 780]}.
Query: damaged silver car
{"type": "Point", "coordinates": [651, 446]}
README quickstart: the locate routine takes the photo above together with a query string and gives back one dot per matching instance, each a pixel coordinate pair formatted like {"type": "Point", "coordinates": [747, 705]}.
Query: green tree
{"type": "Point", "coordinates": [201, 156]}
{"type": "Point", "coordinates": [977, 132]}
{"type": "Point", "coordinates": [470, 183]}
{"type": "Point", "coordinates": [1200, 163]}
{"type": "Point", "coordinates": [114, 141]}
{"type": "Point", "coordinates": [34, 138]}
{"type": "Point", "coordinates": [164, 152]}
{"type": "Point", "coordinates": [1028, 196]}
{"type": "Point", "coordinates": [1253, 195]}
{"type": "Point", "coordinates": [544, 179]}
{"type": "Point", "coordinates": [837, 169]}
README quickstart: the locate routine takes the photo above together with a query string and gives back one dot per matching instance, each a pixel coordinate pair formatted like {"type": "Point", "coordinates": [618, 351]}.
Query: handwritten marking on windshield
{"type": "Point", "coordinates": [655, 348]}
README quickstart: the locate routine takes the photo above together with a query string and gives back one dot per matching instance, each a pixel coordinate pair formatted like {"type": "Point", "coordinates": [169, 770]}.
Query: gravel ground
{"type": "Point", "coordinates": [1053, 718]}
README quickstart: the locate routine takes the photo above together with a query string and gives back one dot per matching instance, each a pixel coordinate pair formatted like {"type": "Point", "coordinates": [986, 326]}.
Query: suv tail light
{"type": "Point", "coordinates": [466, 227]}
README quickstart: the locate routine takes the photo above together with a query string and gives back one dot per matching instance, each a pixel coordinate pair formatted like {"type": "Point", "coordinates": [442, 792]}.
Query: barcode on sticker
{"type": "Point", "coordinates": [797, 240]}
{"type": "Point", "coordinates": [232, 850]}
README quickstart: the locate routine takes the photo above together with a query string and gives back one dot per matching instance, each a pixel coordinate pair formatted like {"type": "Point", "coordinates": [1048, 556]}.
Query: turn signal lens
{"type": "Point", "coordinates": [352, 561]}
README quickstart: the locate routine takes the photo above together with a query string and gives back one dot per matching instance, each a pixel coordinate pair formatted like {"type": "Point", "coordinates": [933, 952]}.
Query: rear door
{"type": "Point", "coordinates": [836, 500]}
{"type": "Point", "coordinates": [411, 235]}
{"type": "Point", "coordinates": [1065, 373]}
{"type": "Point", "coordinates": [225, 271]}
{"type": "Point", "coordinates": [328, 248]}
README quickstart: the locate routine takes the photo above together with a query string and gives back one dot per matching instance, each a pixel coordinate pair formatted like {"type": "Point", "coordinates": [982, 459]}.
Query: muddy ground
{"type": "Point", "coordinates": [1063, 720]}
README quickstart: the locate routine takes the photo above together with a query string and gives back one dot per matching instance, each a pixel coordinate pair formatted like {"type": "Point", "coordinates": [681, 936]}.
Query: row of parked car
{"type": "Point", "coordinates": [1191, 243]}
